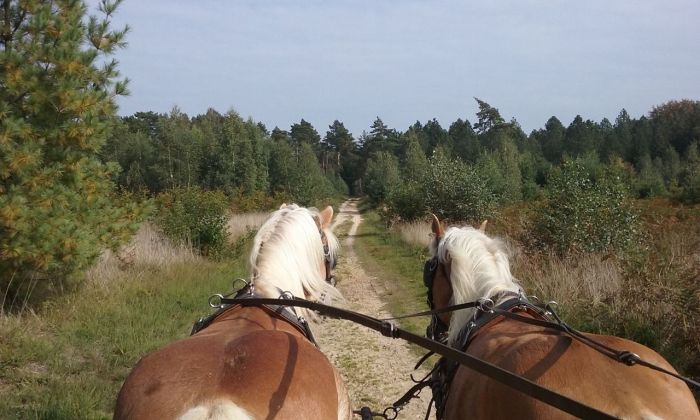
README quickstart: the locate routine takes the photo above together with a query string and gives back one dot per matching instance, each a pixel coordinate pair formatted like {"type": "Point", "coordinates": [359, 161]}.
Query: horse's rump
{"type": "Point", "coordinates": [562, 364]}
{"type": "Point", "coordinates": [249, 358]}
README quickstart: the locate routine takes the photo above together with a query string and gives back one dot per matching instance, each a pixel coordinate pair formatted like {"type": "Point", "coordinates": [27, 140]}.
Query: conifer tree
{"type": "Point", "coordinates": [57, 103]}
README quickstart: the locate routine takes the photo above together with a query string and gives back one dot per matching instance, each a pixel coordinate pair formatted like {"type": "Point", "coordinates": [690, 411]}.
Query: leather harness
{"type": "Point", "coordinates": [285, 313]}
{"type": "Point", "coordinates": [444, 370]}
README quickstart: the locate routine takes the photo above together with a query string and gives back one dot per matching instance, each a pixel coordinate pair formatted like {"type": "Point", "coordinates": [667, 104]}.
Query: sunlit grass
{"type": "Point", "coordinates": [241, 223]}
{"type": "Point", "coordinates": [68, 357]}
{"type": "Point", "coordinates": [416, 233]}
{"type": "Point", "coordinates": [398, 266]}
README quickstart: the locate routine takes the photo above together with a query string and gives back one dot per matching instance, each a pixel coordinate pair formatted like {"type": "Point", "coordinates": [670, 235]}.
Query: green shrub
{"type": "Point", "coordinates": [690, 176]}
{"type": "Point", "coordinates": [194, 216]}
{"type": "Point", "coordinates": [381, 176]}
{"type": "Point", "coordinates": [586, 214]}
{"type": "Point", "coordinates": [407, 201]}
{"type": "Point", "coordinates": [259, 201]}
{"type": "Point", "coordinates": [457, 191]}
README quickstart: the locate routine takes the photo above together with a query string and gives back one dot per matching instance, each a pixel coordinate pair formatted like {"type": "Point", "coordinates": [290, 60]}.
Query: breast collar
{"type": "Point", "coordinates": [282, 312]}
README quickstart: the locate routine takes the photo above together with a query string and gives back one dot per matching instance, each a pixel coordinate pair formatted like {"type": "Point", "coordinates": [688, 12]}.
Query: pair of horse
{"type": "Point", "coordinates": [251, 362]}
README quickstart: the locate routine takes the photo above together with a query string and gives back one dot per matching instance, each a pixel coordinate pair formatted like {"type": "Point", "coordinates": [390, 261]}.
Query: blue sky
{"type": "Point", "coordinates": [279, 61]}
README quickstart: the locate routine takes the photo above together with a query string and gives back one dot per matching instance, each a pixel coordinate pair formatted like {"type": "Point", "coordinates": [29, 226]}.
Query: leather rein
{"type": "Point", "coordinates": [389, 329]}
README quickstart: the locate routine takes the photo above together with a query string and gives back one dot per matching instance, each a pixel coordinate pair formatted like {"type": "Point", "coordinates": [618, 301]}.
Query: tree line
{"type": "Point", "coordinates": [659, 153]}
{"type": "Point", "coordinates": [70, 168]}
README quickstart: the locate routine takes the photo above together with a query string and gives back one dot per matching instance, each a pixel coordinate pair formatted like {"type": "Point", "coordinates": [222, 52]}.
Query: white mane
{"type": "Point", "coordinates": [479, 269]}
{"type": "Point", "coordinates": [288, 256]}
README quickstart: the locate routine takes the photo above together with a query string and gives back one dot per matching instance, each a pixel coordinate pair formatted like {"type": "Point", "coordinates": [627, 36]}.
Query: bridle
{"type": "Point", "coordinates": [328, 261]}
{"type": "Point", "coordinates": [437, 329]}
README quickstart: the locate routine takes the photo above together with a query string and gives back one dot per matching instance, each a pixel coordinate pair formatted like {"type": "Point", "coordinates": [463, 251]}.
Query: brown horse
{"type": "Point", "coordinates": [250, 362]}
{"type": "Point", "coordinates": [468, 266]}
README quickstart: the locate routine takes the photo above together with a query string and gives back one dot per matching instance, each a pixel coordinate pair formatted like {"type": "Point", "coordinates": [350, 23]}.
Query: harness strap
{"type": "Point", "coordinates": [274, 309]}
{"type": "Point", "coordinates": [497, 373]}
{"type": "Point", "coordinates": [622, 356]}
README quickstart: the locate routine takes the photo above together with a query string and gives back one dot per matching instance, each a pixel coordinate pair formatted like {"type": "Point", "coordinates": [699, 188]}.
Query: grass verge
{"type": "Point", "coordinates": [68, 359]}
{"type": "Point", "coordinates": [397, 266]}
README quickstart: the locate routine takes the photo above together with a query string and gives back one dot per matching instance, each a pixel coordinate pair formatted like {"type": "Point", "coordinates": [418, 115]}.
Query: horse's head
{"type": "Point", "coordinates": [294, 251]}
{"type": "Point", "coordinates": [466, 265]}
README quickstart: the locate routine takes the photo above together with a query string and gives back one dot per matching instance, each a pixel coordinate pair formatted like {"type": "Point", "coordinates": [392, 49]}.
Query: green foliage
{"type": "Point", "coordinates": [407, 200]}
{"type": "Point", "coordinates": [586, 214]}
{"type": "Point", "coordinates": [57, 90]}
{"type": "Point", "coordinates": [307, 182]}
{"type": "Point", "coordinates": [381, 176]}
{"type": "Point", "coordinates": [690, 176]}
{"type": "Point", "coordinates": [649, 181]}
{"type": "Point", "coordinates": [345, 158]}
{"type": "Point", "coordinates": [501, 169]}
{"type": "Point", "coordinates": [194, 216]}
{"type": "Point", "coordinates": [457, 191]}
{"type": "Point", "coordinates": [551, 140]}
{"type": "Point", "coordinates": [259, 201]}
{"type": "Point", "coordinates": [488, 118]}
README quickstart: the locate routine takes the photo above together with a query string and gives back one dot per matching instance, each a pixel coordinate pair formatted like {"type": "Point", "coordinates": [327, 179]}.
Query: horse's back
{"type": "Point", "coordinates": [232, 373]}
{"type": "Point", "coordinates": [571, 368]}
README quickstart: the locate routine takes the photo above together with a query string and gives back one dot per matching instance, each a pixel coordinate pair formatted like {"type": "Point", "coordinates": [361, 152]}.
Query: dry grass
{"type": "Point", "coordinates": [239, 224]}
{"type": "Point", "coordinates": [148, 250]}
{"type": "Point", "coordinates": [414, 233]}
{"type": "Point", "coordinates": [586, 278]}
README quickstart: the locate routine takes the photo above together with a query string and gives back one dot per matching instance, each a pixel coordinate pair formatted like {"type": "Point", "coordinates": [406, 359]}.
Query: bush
{"type": "Point", "coordinates": [457, 191]}
{"type": "Point", "coordinates": [407, 201]}
{"type": "Point", "coordinates": [381, 176]}
{"type": "Point", "coordinates": [584, 214]}
{"type": "Point", "coordinates": [259, 201]}
{"type": "Point", "coordinates": [690, 176]}
{"type": "Point", "coordinates": [194, 216]}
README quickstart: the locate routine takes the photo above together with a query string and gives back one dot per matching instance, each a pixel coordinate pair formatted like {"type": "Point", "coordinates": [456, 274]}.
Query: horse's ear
{"type": "Point", "coordinates": [283, 206]}
{"type": "Point", "coordinates": [438, 230]}
{"type": "Point", "coordinates": [482, 228]}
{"type": "Point", "coordinates": [325, 216]}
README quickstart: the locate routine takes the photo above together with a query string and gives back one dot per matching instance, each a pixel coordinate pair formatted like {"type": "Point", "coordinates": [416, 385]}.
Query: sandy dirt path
{"type": "Point", "coordinates": [376, 369]}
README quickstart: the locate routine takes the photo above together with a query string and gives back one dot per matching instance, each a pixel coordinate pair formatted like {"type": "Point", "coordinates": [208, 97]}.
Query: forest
{"type": "Point", "coordinates": [657, 153]}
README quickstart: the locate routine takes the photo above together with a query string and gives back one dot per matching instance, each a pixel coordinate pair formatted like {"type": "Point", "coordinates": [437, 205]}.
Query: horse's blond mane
{"type": "Point", "coordinates": [479, 269]}
{"type": "Point", "coordinates": [287, 253]}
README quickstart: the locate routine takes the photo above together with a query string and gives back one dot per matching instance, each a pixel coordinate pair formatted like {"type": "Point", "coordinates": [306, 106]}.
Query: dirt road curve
{"type": "Point", "coordinates": [376, 369]}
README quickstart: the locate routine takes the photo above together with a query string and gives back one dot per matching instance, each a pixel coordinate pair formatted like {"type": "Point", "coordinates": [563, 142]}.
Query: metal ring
{"type": "Point", "coordinates": [236, 281]}
{"type": "Point", "coordinates": [286, 295]}
{"type": "Point", "coordinates": [390, 413]}
{"type": "Point", "coordinates": [486, 305]}
{"type": "Point", "coordinates": [213, 298]}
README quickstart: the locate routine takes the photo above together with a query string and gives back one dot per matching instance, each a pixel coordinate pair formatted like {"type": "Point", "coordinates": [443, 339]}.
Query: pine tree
{"type": "Point", "coordinates": [57, 90]}
{"type": "Point", "coordinates": [466, 144]}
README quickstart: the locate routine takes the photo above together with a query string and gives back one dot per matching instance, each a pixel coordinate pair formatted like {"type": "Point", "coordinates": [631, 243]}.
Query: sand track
{"type": "Point", "coordinates": [376, 369]}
